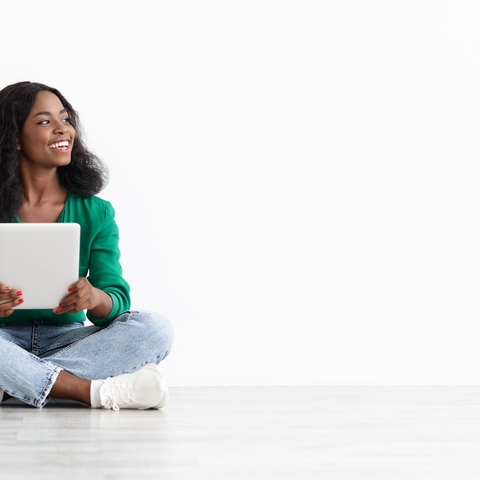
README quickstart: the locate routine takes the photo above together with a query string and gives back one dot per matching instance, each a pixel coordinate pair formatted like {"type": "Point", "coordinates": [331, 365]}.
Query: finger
{"type": "Point", "coordinates": [73, 288]}
{"type": "Point", "coordinates": [80, 290]}
{"type": "Point", "coordinates": [66, 303]}
{"type": "Point", "coordinates": [73, 304]}
{"type": "Point", "coordinates": [9, 311]}
{"type": "Point", "coordinates": [81, 283]}
{"type": "Point", "coordinates": [12, 303]}
{"type": "Point", "coordinates": [76, 301]}
{"type": "Point", "coordinates": [11, 293]}
{"type": "Point", "coordinates": [6, 292]}
{"type": "Point", "coordinates": [75, 308]}
{"type": "Point", "coordinates": [74, 297]}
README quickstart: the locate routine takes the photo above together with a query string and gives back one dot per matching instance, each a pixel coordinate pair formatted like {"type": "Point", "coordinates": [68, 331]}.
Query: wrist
{"type": "Point", "coordinates": [99, 298]}
{"type": "Point", "coordinates": [103, 304]}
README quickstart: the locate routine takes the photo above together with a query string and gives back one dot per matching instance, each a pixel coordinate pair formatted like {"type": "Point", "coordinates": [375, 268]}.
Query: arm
{"type": "Point", "coordinates": [105, 294]}
{"type": "Point", "coordinates": [104, 305]}
{"type": "Point", "coordinates": [106, 272]}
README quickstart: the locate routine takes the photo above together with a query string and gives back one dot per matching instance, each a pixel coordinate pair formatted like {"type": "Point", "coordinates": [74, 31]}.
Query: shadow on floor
{"type": "Point", "coordinates": [52, 403]}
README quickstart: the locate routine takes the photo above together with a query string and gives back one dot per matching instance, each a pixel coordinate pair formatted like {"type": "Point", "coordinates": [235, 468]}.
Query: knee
{"type": "Point", "coordinates": [157, 329]}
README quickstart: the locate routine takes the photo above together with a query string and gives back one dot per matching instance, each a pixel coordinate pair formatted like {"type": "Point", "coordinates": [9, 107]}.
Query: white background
{"type": "Point", "coordinates": [296, 182]}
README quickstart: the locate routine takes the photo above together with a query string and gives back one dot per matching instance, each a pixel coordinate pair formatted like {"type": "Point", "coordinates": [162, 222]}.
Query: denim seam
{"type": "Point", "coordinates": [92, 335]}
{"type": "Point", "coordinates": [32, 344]}
{"type": "Point", "coordinates": [42, 399]}
{"type": "Point", "coordinates": [35, 332]}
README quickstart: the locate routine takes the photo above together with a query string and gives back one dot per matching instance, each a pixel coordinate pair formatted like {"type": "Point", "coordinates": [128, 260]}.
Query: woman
{"type": "Point", "coordinates": [48, 175]}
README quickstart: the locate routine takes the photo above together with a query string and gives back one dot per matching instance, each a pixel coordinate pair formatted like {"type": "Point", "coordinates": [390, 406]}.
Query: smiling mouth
{"type": "Point", "coordinates": [62, 145]}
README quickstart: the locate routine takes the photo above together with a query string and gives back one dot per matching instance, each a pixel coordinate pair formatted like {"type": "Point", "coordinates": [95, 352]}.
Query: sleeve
{"type": "Point", "coordinates": [106, 271]}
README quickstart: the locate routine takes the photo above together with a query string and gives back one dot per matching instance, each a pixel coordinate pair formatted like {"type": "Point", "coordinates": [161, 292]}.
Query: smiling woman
{"type": "Point", "coordinates": [20, 103]}
{"type": "Point", "coordinates": [47, 175]}
{"type": "Point", "coordinates": [45, 143]}
{"type": "Point", "coordinates": [47, 128]}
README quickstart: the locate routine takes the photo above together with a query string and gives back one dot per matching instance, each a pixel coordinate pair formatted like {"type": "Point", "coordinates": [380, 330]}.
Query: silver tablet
{"type": "Point", "coordinates": [41, 260]}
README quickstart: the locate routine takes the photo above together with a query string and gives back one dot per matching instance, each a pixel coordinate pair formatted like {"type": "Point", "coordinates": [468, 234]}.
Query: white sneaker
{"type": "Point", "coordinates": [146, 388]}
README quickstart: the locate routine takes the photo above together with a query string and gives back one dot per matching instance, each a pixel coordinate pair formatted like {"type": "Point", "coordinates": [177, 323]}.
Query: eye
{"type": "Point", "coordinates": [44, 122]}
{"type": "Point", "coordinates": [67, 120]}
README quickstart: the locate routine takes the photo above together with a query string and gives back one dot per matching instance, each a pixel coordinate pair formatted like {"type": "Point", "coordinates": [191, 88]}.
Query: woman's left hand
{"type": "Point", "coordinates": [83, 297]}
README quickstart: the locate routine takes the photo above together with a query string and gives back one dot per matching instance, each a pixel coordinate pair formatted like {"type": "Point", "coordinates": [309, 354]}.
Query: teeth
{"type": "Point", "coordinates": [65, 143]}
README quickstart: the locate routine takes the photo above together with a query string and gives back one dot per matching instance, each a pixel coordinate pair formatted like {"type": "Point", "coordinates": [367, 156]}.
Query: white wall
{"type": "Point", "coordinates": [296, 183]}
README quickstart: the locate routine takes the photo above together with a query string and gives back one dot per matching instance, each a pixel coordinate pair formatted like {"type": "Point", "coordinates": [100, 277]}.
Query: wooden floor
{"type": "Point", "coordinates": [252, 433]}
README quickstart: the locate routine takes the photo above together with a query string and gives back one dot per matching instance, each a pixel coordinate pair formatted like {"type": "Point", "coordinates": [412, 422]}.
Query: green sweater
{"type": "Point", "coordinates": [99, 255]}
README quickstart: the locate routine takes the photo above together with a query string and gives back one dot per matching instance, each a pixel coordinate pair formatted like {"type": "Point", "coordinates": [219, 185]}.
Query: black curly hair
{"type": "Point", "coordinates": [85, 175]}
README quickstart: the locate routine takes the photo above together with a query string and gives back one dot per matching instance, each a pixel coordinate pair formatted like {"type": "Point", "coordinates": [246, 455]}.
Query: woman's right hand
{"type": "Point", "coordinates": [14, 298]}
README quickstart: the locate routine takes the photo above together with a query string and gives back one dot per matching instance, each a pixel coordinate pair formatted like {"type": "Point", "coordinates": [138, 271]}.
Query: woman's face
{"type": "Point", "coordinates": [46, 139]}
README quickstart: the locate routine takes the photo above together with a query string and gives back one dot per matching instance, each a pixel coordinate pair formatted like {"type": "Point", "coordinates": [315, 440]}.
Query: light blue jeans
{"type": "Point", "coordinates": [33, 354]}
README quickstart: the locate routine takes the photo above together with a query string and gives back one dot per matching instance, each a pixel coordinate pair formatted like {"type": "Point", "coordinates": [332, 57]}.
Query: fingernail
{"type": "Point", "coordinates": [57, 311]}
{"type": "Point", "coordinates": [19, 293]}
{"type": "Point", "coordinates": [20, 301]}
{"type": "Point", "coordinates": [70, 289]}
{"type": "Point", "coordinates": [60, 305]}
{"type": "Point", "coordinates": [7, 289]}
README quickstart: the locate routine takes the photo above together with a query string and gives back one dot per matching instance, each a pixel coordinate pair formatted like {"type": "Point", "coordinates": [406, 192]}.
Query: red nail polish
{"type": "Point", "coordinates": [60, 305]}
{"type": "Point", "coordinates": [20, 301]}
{"type": "Point", "coordinates": [70, 289]}
{"type": "Point", "coordinates": [57, 311]}
{"type": "Point", "coordinates": [19, 293]}
{"type": "Point", "coordinates": [7, 289]}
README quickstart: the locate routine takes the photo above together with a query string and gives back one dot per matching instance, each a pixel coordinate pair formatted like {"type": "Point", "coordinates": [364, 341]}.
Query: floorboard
{"type": "Point", "coordinates": [252, 433]}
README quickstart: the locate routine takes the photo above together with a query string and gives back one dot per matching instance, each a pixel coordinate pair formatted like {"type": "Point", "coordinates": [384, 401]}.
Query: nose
{"type": "Point", "coordinates": [60, 127]}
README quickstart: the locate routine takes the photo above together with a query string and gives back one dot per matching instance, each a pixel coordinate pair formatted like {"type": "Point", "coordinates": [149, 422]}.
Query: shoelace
{"type": "Point", "coordinates": [118, 392]}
